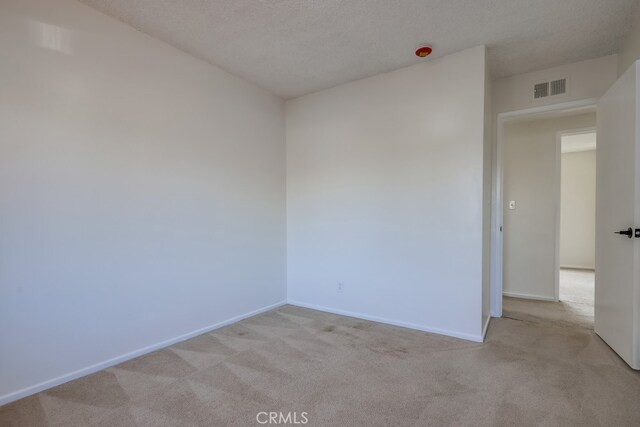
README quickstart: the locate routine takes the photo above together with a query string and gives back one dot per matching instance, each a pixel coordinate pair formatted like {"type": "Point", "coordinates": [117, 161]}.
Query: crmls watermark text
{"type": "Point", "coordinates": [282, 417]}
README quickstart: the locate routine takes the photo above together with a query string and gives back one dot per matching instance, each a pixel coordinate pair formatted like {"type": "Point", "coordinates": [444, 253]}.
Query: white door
{"type": "Point", "coordinates": [617, 296]}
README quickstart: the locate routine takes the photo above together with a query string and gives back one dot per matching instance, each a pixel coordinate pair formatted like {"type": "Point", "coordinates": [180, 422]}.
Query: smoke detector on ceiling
{"type": "Point", "coordinates": [423, 51]}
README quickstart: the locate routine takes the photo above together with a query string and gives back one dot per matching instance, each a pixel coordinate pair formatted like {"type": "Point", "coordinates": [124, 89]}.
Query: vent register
{"type": "Point", "coordinates": [555, 87]}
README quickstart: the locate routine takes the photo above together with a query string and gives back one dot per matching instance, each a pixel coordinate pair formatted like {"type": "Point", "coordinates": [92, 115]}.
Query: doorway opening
{"type": "Point", "coordinates": [543, 275]}
{"type": "Point", "coordinates": [578, 223]}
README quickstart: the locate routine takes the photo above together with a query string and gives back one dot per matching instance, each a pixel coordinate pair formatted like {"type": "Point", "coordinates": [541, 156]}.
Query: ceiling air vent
{"type": "Point", "coordinates": [558, 87]}
{"type": "Point", "coordinates": [552, 88]}
{"type": "Point", "coordinates": [541, 90]}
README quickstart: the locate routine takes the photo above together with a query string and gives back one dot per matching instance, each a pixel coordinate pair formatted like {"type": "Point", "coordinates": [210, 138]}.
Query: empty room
{"type": "Point", "coordinates": [324, 213]}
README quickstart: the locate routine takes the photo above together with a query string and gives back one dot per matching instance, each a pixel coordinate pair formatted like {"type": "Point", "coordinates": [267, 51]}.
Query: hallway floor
{"type": "Point", "coordinates": [574, 309]}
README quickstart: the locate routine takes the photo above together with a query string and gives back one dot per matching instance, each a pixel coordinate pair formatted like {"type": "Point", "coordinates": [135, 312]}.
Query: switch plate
{"type": "Point", "coordinates": [512, 205]}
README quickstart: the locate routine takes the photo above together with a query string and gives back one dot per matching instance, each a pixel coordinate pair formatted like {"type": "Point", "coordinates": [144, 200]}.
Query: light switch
{"type": "Point", "coordinates": [512, 205]}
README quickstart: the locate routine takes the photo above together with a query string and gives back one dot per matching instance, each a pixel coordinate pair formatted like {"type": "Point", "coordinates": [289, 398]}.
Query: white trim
{"type": "Point", "coordinates": [558, 214]}
{"type": "Point", "coordinates": [461, 335]}
{"type": "Point", "coordinates": [580, 131]}
{"type": "Point", "coordinates": [27, 391]}
{"type": "Point", "coordinates": [497, 214]}
{"type": "Point", "coordinates": [485, 327]}
{"type": "Point", "coordinates": [529, 296]}
{"type": "Point", "coordinates": [578, 267]}
{"type": "Point", "coordinates": [497, 234]}
{"type": "Point", "coordinates": [589, 102]}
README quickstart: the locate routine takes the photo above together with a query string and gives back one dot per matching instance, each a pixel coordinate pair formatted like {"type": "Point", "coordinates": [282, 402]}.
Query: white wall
{"type": "Point", "coordinates": [586, 79]}
{"type": "Point", "coordinates": [578, 209]}
{"type": "Point", "coordinates": [142, 193]}
{"type": "Point", "coordinates": [630, 51]}
{"type": "Point", "coordinates": [385, 195]}
{"type": "Point", "coordinates": [487, 191]}
{"type": "Point", "coordinates": [531, 179]}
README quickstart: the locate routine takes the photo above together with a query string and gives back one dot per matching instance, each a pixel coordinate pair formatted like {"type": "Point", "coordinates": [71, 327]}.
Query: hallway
{"type": "Point", "coordinates": [575, 307]}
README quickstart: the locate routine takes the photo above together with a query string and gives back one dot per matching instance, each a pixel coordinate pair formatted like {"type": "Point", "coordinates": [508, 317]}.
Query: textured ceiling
{"type": "Point", "coordinates": [294, 47]}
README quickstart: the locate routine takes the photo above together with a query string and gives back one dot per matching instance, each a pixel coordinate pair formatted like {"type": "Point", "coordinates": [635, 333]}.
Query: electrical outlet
{"type": "Point", "coordinates": [340, 288]}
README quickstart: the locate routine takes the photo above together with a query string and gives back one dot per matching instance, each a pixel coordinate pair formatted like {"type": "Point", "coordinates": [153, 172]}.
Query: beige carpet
{"type": "Point", "coordinates": [574, 309]}
{"type": "Point", "coordinates": [577, 286]}
{"type": "Point", "coordinates": [347, 372]}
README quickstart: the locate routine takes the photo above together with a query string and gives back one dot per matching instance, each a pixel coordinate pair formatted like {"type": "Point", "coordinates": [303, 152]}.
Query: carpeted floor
{"type": "Point", "coordinates": [577, 286]}
{"type": "Point", "coordinates": [574, 309]}
{"type": "Point", "coordinates": [346, 372]}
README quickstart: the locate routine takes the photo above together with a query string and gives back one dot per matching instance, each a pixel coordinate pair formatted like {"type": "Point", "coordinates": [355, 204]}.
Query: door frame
{"type": "Point", "coordinates": [497, 255]}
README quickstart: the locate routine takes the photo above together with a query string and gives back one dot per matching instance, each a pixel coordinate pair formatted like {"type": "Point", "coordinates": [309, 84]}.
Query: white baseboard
{"type": "Point", "coordinates": [528, 296]}
{"type": "Point", "coordinates": [7, 398]}
{"type": "Point", "coordinates": [464, 336]}
{"type": "Point", "coordinates": [485, 327]}
{"type": "Point", "coordinates": [578, 267]}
